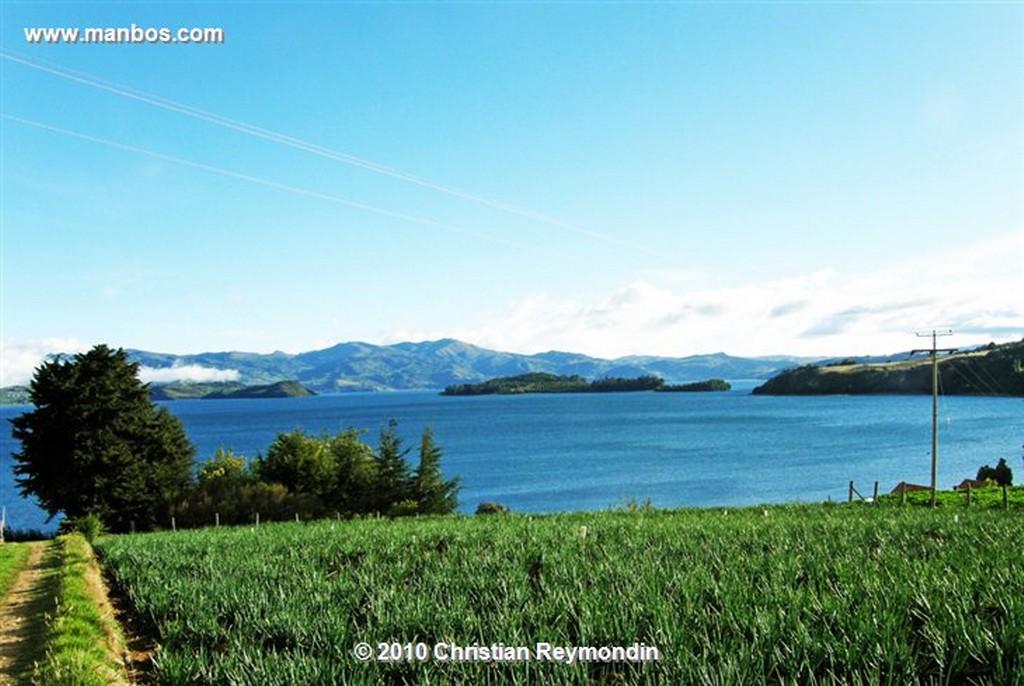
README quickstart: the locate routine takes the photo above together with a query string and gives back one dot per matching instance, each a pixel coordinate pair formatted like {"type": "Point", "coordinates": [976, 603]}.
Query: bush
{"type": "Point", "coordinates": [90, 526]}
{"type": "Point", "coordinates": [404, 508]}
{"type": "Point", "coordinates": [491, 508]}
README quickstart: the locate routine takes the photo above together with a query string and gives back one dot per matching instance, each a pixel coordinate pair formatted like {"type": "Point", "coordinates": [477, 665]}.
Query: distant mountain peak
{"type": "Point", "coordinates": [361, 366]}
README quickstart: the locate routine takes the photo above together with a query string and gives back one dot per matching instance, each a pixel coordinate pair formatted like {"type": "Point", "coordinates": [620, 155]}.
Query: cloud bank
{"type": "Point", "coordinates": [19, 360]}
{"type": "Point", "coordinates": [186, 372]}
{"type": "Point", "coordinates": [973, 290]}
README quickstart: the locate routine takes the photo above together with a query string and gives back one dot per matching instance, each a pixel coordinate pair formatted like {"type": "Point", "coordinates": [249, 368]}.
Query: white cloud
{"type": "Point", "coordinates": [972, 288]}
{"type": "Point", "coordinates": [186, 372]}
{"type": "Point", "coordinates": [19, 360]}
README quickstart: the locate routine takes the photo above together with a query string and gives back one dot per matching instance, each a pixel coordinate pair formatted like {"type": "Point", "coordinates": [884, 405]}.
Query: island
{"type": "Point", "coordinates": [994, 370]}
{"type": "Point", "coordinates": [227, 390]}
{"type": "Point", "coordinates": [543, 382]}
{"type": "Point", "coordinates": [15, 395]}
{"type": "Point", "coordinates": [698, 386]}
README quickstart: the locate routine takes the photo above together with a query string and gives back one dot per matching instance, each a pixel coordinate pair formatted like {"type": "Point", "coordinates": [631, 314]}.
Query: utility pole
{"type": "Point", "coordinates": [934, 352]}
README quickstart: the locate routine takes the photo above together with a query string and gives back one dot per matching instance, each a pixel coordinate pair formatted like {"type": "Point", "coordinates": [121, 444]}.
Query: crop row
{"type": "Point", "coordinates": [796, 594]}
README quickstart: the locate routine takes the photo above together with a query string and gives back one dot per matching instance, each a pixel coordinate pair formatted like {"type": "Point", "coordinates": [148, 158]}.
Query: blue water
{"type": "Point", "coordinates": [547, 453]}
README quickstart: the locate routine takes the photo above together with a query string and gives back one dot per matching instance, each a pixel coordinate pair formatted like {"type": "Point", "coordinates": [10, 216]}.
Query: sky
{"type": "Point", "coordinates": [604, 178]}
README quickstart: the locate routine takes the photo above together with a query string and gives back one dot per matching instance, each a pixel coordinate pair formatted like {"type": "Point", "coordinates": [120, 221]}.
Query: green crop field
{"type": "Point", "coordinates": [784, 595]}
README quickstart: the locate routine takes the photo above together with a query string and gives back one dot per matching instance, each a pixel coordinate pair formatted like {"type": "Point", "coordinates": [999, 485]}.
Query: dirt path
{"type": "Point", "coordinates": [136, 648]}
{"type": "Point", "coordinates": [23, 615]}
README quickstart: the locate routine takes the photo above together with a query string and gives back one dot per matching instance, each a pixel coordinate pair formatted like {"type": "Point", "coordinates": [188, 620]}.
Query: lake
{"type": "Point", "coordinates": [549, 453]}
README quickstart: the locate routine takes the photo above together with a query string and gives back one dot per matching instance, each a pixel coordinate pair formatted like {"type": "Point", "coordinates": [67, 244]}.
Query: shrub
{"type": "Point", "coordinates": [90, 526]}
{"type": "Point", "coordinates": [404, 508]}
{"type": "Point", "coordinates": [491, 508]}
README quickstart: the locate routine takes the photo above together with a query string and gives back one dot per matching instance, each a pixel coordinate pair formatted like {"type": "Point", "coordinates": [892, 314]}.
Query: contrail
{"type": "Point", "coordinates": [279, 186]}
{"type": "Point", "coordinates": [315, 149]}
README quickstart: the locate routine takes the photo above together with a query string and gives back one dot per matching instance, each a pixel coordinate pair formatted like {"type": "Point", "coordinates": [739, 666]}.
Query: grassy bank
{"type": "Point", "coordinates": [82, 639]}
{"type": "Point", "coordinates": [12, 560]}
{"type": "Point", "coordinates": [796, 594]}
{"type": "Point", "coordinates": [981, 498]}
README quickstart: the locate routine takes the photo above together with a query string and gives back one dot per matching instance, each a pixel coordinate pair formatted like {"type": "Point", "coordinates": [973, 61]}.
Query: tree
{"type": "Point", "coordinates": [301, 463]}
{"type": "Point", "coordinates": [95, 444]}
{"type": "Point", "coordinates": [394, 483]}
{"type": "Point", "coordinates": [1001, 473]}
{"type": "Point", "coordinates": [433, 494]}
{"type": "Point", "coordinates": [356, 473]}
{"type": "Point", "coordinates": [223, 470]}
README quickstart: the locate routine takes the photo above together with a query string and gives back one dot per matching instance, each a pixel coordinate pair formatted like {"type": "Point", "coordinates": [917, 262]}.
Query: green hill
{"type": "Point", "coordinates": [991, 370]}
{"type": "Point", "coordinates": [14, 395]}
{"type": "Point", "coordinates": [223, 390]}
{"type": "Point", "coordinates": [281, 389]}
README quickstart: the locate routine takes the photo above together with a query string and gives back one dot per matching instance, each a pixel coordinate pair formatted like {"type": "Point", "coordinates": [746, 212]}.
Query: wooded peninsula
{"type": "Point", "coordinates": [992, 370]}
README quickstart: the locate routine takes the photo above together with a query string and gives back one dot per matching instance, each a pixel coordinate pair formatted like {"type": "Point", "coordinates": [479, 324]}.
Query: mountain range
{"type": "Point", "coordinates": [437, 364]}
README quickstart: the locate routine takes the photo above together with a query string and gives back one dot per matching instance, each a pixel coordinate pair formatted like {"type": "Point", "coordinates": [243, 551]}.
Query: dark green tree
{"type": "Point", "coordinates": [394, 481]}
{"type": "Point", "coordinates": [1001, 473]}
{"type": "Point", "coordinates": [95, 444]}
{"type": "Point", "coordinates": [300, 463]}
{"type": "Point", "coordinates": [433, 494]}
{"type": "Point", "coordinates": [356, 473]}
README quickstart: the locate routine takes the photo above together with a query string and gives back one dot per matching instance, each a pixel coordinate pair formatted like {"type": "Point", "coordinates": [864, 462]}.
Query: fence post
{"type": "Point", "coordinates": [257, 519]}
{"type": "Point", "coordinates": [296, 517]}
{"type": "Point", "coordinates": [1006, 499]}
{"type": "Point", "coordinates": [968, 495]}
{"type": "Point", "coordinates": [903, 495]}
{"type": "Point", "coordinates": [216, 518]}
{"type": "Point", "coordinates": [874, 498]}
{"type": "Point", "coordinates": [850, 497]}
{"type": "Point", "coordinates": [174, 525]}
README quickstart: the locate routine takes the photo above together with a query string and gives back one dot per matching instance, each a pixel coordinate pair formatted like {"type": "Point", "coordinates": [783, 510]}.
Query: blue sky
{"type": "Point", "coordinates": [606, 178]}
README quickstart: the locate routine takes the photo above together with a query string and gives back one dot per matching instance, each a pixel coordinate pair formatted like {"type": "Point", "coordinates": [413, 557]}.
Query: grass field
{"type": "Point", "coordinates": [794, 594]}
{"type": "Point", "coordinates": [12, 559]}
{"type": "Point", "coordinates": [991, 497]}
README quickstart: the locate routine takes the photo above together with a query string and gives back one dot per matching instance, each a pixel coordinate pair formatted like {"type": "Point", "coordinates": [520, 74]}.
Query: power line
{"type": "Point", "coordinates": [265, 182]}
{"type": "Point", "coordinates": [933, 351]}
{"type": "Point", "coordinates": [313, 148]}
{"type": "Point", "coordinates": [973, 375]}
{"type": "Point", "coordinates": [995, 384]}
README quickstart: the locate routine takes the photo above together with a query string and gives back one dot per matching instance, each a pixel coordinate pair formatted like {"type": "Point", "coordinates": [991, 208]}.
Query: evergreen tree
{"type": "Point", "coordinates": [355, 482]}
{"type": "Point", "coordinates": [394, 483]}
{"type": "Point", "coordinates": [95, 444]}
{"type": "Point", "coordinates": [433, 494]}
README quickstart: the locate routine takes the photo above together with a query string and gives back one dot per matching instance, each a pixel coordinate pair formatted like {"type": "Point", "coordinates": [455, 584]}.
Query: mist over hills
{"type": "Point", "coordinates": [357, 366]}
